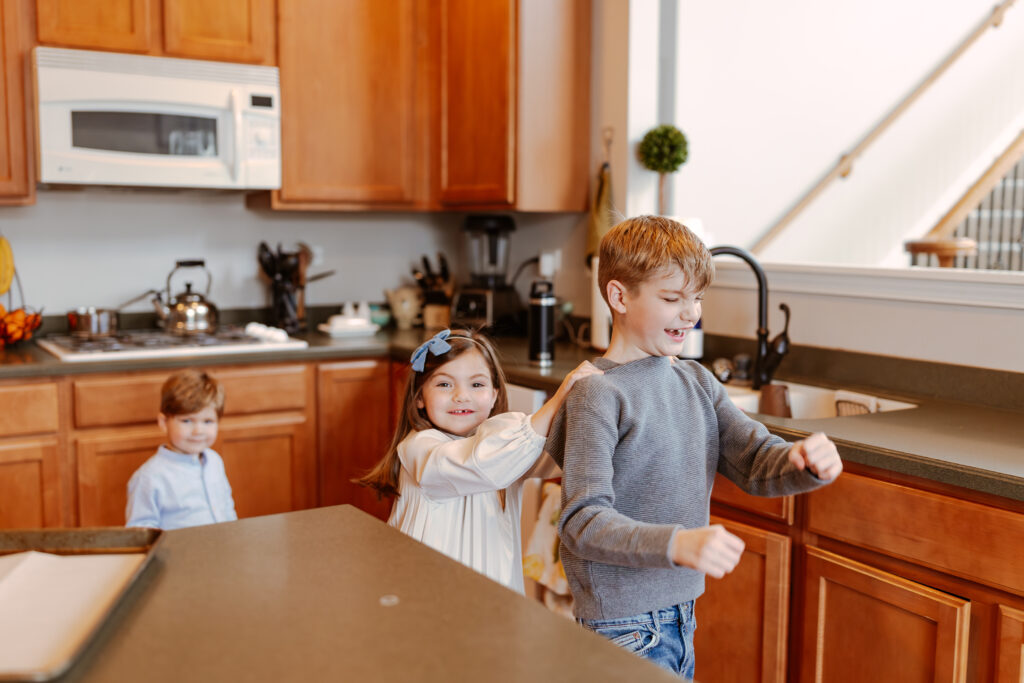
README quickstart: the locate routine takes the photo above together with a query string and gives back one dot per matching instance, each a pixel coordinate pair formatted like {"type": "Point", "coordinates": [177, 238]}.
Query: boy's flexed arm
{"type": "Point", "coordinates": [590, 526]}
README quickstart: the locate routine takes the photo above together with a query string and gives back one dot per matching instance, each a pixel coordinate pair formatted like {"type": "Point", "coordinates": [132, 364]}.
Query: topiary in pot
{"type": "Point", "coordinates": [663, 150]}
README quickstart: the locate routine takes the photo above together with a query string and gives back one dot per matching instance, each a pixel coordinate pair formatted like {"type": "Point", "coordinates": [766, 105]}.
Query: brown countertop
{"type": "Point", "coordinates": [305, 596]}
{"type": "Point", "coordinates": [973, 446]}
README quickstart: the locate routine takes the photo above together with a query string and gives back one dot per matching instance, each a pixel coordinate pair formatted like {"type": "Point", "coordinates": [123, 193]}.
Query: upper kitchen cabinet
{"type": "Point", "coordinates": [118, 25]}
{"type": "Point", "coordinates": [451, 104]}
{"type": "Point", "coordinates": [352, 125]}
{"type": "Point", "coordinates": [15, 172]}
{"type": "Point", "coordinates": [225, 30]}
{"type": "Point", "coordinates": [514, 104]}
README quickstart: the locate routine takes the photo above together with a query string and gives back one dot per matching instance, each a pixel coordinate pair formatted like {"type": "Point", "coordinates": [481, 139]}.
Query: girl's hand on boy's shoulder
{"type": "Point", "coordinates": [818, 454]}
{"type": "Point", "coordinates": [584, 369]}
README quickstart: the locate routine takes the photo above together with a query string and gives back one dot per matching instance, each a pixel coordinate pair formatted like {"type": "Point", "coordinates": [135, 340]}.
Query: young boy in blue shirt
{"type": "Point", "coordinates": [642, 444]}
{"type": "Point", "coordinates": [184, 484]}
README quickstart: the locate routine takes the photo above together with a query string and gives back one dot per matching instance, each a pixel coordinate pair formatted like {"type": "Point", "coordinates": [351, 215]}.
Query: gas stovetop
{"type": "Point", "coordinates": [134, 344]}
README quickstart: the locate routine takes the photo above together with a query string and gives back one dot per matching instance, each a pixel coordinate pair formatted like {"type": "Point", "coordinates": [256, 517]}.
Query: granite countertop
{"type": "Point", "coordinates": [971, 445]}
{"type": "Point", "coordinates": [332, 594]}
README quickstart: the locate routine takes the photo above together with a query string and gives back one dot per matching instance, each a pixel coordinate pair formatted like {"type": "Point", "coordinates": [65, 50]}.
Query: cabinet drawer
{"type": "Point", "coordinates": [28, 409]}
{"type": "Point", "coordinates": [963, 538]}
{"type": "Point", "coordinates": [728, 493]}
{"type": "Point", "coordinates": [124, 400]}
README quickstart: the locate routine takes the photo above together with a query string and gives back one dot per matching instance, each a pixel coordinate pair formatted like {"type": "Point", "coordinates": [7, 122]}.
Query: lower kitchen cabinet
{"type": "Point", "coordinates": [30, 452]}
{"type": "Point", "coordinates": [106, 461]}
{"type": "Point", "coordinates": [268, 462]}
{"type": "Point", "coordinates": [355, 428]}
{"type": "Point", "coordinates": [742, 619]}
{"type": "Point", "coordinates": [1010, 646]}
{"type": "Point", "coordinates": [267, 437]}
{"type": "Point", "coordinates": [864, 624]}
{"type": "Point", "coordinates": [29, 483]}
{"type": "Point", "coordinates": [893, 578]}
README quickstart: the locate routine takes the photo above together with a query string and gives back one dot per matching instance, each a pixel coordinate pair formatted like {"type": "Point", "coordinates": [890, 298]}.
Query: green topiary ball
{"type": "Point", "coordinates": [663, 149]}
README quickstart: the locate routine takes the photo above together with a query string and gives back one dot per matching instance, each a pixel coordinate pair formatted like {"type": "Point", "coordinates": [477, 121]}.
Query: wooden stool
{"type": "Point", "coordinates": [944, 249]}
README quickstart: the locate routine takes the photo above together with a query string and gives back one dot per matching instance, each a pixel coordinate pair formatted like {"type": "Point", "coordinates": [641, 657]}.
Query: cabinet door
{"type": "Point", "coordinates": [477, 63]}
{"type": "Point", "coordinates": [230, 30]}
{"type": "Point", "coordinates": [348, 94]}
{"type": "Point", "coordinates": [106, 461]}
{"type": "Point", "coordinates": [118, 25]}
{"type": "Point", "coordinates": [15, 186]}
{"type": "Point", "coordinates": [29, 484]}
{"type": "Point", "coordinates": [742, 618]}
{"type": "Point", "coordinates": [1010, 646]}
{"type": "Point", "coordinates": [270, 463]}
{"type": "Point", "coordinates": [864, 624]}
{"type": "Point", "coordinates": [354, 423]}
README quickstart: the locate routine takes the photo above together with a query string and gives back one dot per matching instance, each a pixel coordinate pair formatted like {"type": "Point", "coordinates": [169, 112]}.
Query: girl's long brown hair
{"type": "Point", "coordinates": [384, 475]}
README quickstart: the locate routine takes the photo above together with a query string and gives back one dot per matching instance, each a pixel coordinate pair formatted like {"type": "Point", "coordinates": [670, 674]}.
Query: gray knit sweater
{"type": "Point", "coordinates": [639, 446]}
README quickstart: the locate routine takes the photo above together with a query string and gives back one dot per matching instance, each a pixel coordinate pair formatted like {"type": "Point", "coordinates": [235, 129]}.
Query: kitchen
{"type": "Point", "coordinates": [117, 243]}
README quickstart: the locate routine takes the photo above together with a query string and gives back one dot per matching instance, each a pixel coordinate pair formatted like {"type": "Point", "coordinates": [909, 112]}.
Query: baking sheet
{"type": "Point", "coordinates": [57, 587]}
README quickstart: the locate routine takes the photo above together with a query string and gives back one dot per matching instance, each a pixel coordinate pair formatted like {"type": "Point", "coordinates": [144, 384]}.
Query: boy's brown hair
{"type": "Point", "coordinates": [638, 248]}
{"type": "Point", "coordinates": [189, 391]}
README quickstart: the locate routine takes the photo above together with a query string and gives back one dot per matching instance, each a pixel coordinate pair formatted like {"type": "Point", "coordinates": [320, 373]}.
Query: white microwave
{"type": "Point", "coordinates": [118, 119]}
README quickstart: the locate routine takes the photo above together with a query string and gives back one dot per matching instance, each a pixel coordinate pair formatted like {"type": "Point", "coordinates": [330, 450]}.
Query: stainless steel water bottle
{"type": "Point", "coordinates": [542, 323]}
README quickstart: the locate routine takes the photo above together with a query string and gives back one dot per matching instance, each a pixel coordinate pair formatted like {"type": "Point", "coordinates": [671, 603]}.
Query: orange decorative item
{"type": "Point", "coordinates": [18, 324]}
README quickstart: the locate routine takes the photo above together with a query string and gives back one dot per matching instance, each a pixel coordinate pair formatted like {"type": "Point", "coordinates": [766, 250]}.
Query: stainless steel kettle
{"type": "Point", "coordinates": [187, 312]}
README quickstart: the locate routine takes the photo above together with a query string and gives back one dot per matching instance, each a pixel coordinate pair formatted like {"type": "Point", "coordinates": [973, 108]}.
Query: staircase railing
{"type": "Point", "coordinates": [844, 166]}
{"type": "Point", "coordinates": [985, 228]}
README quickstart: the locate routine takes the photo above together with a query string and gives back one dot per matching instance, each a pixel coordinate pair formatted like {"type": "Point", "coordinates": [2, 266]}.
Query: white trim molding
{"type": "Point", "coordinates": [944, 286]}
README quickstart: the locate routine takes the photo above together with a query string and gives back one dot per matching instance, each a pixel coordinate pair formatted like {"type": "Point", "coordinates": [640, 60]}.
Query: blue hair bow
{"type": "Point", "coordinates": [436, 345]}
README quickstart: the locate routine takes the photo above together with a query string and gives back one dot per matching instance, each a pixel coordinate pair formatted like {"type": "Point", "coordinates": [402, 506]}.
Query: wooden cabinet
{"type": "Point", "coordinates": [477, 60]}
{"type": "Point", "coordinates": [30, 484]}
{"type": "Point", "coordinates": [355, 430]}
{"type": "Point", "coordinates": [227, 30]}
{"type": "Point", "coordinates": [1010, 646]}
{"type": "Point", "coordinates": [353, 127]}
{"type": "Point", "coordinates": [69, 446]}
{"type": "Point", "coordinates": [117, 25]}
{"type": "Point", "coordinates": [893, 578]}
{"type": "Point", "coordinates": [17, 185]}
{"type": "Point", "coordinates": [428, 105]}
{"type": "Point", "coordinates": [863, 624]}
{"type": "Point", "coordinates": [742, 619]}
{"type": "Point", "coordinates": [267, 438]}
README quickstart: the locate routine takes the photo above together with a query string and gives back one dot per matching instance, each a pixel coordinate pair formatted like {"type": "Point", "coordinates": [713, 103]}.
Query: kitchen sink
{"type": "Point", "coordinates": [809, 402]}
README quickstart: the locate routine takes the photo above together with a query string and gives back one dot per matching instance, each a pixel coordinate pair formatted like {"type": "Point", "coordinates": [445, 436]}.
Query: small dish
{"type": "Point", "coordinates": [337, 332]}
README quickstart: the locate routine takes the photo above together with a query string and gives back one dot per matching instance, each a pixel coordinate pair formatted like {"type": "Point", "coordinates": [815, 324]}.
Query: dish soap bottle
{"type": "Point", "coordinates": [693, 343]}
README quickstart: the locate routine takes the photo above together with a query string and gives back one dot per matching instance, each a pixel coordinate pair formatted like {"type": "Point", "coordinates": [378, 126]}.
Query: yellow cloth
{"type": "Point", "coordinates": [601, 212]}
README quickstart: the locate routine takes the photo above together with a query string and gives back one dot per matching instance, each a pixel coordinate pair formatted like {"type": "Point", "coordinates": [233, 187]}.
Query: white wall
{"type": "Point", "coordinates": [772, 94]}
{"type": "Point", "coordinates": [101, 247]}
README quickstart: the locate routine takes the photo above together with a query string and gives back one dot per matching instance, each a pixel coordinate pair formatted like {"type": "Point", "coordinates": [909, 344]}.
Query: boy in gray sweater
{"type": "Point", "coordinates": [641, 445]}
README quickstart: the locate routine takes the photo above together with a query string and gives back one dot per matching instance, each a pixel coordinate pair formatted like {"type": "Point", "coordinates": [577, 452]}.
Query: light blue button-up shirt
{"type": "Point", "coordinates": [174, 490]}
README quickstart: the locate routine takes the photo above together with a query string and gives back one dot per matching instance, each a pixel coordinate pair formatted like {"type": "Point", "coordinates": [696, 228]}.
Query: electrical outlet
{"type": "Point", "coordinates": [318, 255]}
{"type": "Point", "coordinates": [550, 262]}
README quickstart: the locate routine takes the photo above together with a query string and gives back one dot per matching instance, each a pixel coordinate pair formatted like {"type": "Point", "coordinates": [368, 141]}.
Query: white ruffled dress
{"type": "Point", "coordinates": [449, 492]}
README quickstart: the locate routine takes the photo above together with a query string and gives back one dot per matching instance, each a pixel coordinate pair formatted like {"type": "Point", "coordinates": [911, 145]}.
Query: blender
{"type": "Point", "coordinates": [489, 300]}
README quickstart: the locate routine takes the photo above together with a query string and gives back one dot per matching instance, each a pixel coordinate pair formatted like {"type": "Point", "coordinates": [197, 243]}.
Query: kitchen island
{"type": "Point", "coordinates": [334, 595]}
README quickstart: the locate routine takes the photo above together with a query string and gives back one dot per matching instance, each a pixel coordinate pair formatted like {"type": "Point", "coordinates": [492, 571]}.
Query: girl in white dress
{"type": "Point", "coordinates": [458, 459]}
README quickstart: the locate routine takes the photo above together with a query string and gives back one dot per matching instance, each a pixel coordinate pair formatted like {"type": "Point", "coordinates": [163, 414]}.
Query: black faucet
{"type": "Point", "coordinates": [767, 359]}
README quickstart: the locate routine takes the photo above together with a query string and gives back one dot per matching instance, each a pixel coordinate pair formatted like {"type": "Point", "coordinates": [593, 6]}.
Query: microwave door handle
{"type": "Point", "coordinates": [236, 115]}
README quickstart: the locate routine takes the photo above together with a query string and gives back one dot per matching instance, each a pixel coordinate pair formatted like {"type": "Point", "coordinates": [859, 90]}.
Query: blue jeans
{"type": "Point", "coordinates": [664, 636]}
